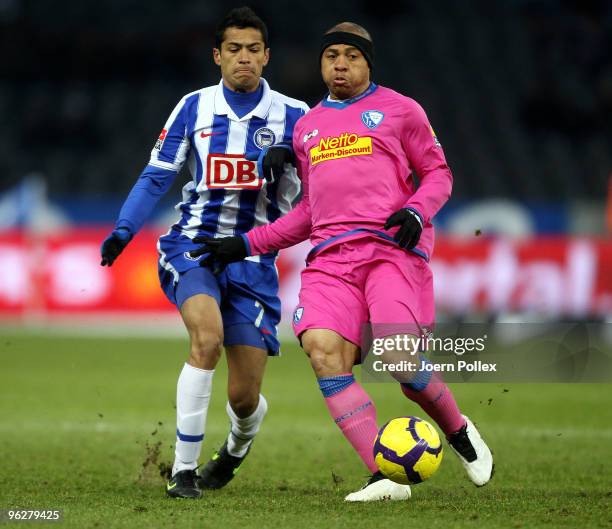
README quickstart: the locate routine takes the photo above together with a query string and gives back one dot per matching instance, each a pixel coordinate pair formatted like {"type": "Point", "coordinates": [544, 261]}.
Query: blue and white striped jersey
{"type": "Point", "coordinates": [226, 196]}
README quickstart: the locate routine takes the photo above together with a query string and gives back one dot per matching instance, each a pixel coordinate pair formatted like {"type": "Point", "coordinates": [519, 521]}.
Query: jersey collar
{"type": "Point", "coordinates": [346, 102]}
{"type": "Point", "coordinates": [222, 107]}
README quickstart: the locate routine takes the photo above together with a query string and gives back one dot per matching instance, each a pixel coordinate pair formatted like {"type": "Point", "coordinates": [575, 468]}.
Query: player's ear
{"type": "Point", "coordinates": [266, 56]}
{"type": "Point", "coordinates": [217, 56]}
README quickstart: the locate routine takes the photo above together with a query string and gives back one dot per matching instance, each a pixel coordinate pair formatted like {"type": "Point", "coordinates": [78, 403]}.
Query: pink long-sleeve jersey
{"type": "Point", "coordinates": [355, 159]}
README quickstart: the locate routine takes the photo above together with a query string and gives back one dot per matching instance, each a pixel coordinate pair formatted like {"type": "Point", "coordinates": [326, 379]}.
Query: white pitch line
{"type": "Point", "coordinates": [319, 429]}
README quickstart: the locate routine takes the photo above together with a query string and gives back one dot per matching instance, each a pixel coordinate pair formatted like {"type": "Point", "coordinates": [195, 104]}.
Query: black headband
{"type": "Point", "coordinates": [342, 37]}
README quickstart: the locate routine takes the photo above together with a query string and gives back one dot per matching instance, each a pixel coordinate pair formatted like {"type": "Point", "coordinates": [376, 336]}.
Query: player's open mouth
{"type": "Point", "coordinates": [340, 81]}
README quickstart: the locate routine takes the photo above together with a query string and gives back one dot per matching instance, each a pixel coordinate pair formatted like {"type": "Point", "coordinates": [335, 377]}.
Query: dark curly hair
{"type": "Point", "coordinates": [241, 17]}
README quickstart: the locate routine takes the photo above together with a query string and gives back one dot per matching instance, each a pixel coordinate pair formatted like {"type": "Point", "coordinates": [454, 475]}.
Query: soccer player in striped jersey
{"type": "Point", "coordinates": [236, 139]}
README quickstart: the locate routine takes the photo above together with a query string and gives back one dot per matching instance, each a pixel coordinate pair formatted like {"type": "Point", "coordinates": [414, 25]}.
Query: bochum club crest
{"type": "Point", "coordinates": [372, 118]}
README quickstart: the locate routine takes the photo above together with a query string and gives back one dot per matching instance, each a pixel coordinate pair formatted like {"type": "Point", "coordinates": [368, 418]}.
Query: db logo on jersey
{"type": "Point", "coordinates": [231, 171]}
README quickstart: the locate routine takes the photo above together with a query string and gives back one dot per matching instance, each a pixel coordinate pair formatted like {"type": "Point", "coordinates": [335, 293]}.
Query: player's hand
{"type": "Point", "coordinates": [114, 244]}
{"type": "Point", "coordinates": [271, 160]}
{"type": "Point", "coordinates": [221, 251]}
{"type": "Point", "coordinates": [410, 228]}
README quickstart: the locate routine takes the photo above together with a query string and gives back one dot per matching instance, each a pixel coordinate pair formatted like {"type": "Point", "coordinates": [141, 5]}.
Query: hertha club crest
{"type": "Point", "coordinates": [264, 137]}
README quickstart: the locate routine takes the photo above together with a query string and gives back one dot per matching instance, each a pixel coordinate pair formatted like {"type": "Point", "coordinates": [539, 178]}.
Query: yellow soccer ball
{"type": "Point", "coordinates": [408, 450]}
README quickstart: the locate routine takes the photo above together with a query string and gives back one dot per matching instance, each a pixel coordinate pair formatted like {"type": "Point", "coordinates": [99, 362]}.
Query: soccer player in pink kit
{"type": "Point", "coordinates": [372, 234]}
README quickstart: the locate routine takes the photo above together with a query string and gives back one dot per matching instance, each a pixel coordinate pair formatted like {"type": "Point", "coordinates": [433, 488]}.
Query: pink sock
{"type": "Point", "coordinates": [354, 412]}
{"type": "Point", "coordinates": [438, 402]}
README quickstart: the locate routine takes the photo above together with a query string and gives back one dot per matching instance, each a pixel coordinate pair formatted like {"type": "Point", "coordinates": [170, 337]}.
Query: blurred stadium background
{"type": "Point", "coordinates": [519, 92]}
{"type": "Point", "coordinates": [520, 95]}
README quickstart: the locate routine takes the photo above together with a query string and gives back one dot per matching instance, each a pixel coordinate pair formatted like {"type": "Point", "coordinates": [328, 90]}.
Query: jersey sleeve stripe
{"type": "Point", "coordinates": [218, 144]}
{"type": "Point", "coordinates": [248, 198]}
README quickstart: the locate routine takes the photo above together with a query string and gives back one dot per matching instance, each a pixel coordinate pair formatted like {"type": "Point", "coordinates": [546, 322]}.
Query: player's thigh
{"type": "Point", "coordinates": [246, 366]}
{"type": "Point", "coordinates": [198, 298]}
{"type": "Point", "coordinates": [399, 295]}
{"type": "Point", "coordinates": [201, 314]}
{"type": "Point", "coordinates": [330, 354]}
{"type": "Point", "coordinates": [328, 302]}
{"type": "Point", "coordinates": [202, 319]}
{"type": "Point", "coordinates": [401, 306]}
{"type": "Point", "coordinates": [251, 307]}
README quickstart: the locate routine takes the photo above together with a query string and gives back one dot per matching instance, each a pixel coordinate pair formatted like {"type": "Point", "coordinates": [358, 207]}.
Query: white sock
{"type": "Point", "coordinates": [192, 398]}
{"type": "Point", "coordinates": [242, 431]}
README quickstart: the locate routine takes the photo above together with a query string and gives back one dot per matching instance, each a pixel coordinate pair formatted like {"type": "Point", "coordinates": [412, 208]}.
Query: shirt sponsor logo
{"type": "Point", "coordinates": [160, 140]}
{"type": "Point", "coordinates": [342, 146]}
{"type": "Point", "coordinates": [231, 171]}
{"type": "Point", "coordinates": [264, 137]}
{"type": "Point", "coordinates": [372, 118]}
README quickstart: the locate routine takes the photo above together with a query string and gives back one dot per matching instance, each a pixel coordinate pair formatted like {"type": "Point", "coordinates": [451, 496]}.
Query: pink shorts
{"type": "Point", "coordinates": [365, 281]}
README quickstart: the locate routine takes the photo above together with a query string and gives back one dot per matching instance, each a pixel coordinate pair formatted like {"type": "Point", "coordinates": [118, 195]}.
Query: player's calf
{"type": "Point", "coordinates": [226, 462]}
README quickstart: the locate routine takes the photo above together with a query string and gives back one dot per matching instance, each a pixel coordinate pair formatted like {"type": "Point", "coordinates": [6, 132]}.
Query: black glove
{"type": "Point", "coordinates": [113, 245]}
{"type": "Point", "coordinates": [410, 228]}
{"type": "Point", "coordinates": [271, 161]}
{"type": "Point", "coordinates": [221, 252]}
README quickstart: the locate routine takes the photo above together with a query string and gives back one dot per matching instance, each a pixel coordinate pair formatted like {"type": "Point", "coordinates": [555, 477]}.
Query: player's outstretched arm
{"type": "Point", "coordinates": [427, 157]}
{"type": "Point", "coordinates": [286, 231]}
{"type": "Point", "coordinates": [167, 157]}
{"type": "Point", "coordinates": [144, 196]}
{"type": "Point", "coordinates": [290, 229]}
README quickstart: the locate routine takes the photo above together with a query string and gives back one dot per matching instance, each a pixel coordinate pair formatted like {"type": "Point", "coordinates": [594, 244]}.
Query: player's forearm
{"type": "Point", "coordinates": [152, 184]}
{"type": "Point", "coordinates": [287, 231]}
{"type": "Point", "coordinates": [432, 194]}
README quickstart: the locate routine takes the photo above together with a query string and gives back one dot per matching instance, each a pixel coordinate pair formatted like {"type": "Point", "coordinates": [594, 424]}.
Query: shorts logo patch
{"type": "Point", "coordinates": [297, 315]}
{"type": "Point", "coordinates": [264, 137]}
{"type": "Point", "coordinates": [372, 118]}
{"type": "Point", "coordinates": [231, 171]}
{"type": "Point", "coordinates": [187, 256]}
{"type": "Point", "coordinates": [342, 146]}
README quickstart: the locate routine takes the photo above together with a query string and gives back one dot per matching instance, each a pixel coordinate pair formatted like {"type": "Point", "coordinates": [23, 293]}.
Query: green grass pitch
{"type": "Point", "coordinates": [85, 425]}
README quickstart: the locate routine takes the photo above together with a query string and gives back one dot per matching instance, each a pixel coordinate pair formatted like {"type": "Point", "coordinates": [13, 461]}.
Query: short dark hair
{"type": "Point", "coordinates": [241, 17]}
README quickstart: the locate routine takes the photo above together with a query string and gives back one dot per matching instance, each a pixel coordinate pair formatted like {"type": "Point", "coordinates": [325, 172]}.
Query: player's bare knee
{"type": "Point", "coordinates": [325, 355]}
{"type": "Point", "coordinates": [243, 403]}
{"type": "Point", "coordinates": [205, 348]}
{"type": "Point", "coordinates": [325, 361]}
